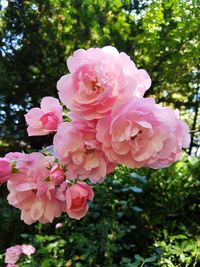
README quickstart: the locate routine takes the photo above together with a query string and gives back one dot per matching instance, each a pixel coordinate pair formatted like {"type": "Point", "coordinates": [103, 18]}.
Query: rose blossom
{"type": "Point", "coordinates": [46, 119]}
{"type": "Point", "coordinates": [32, 191]}
{"type": "Point", "coordinates": [13, 254]}
{"type": "Point", "coordinates": [75, 145]}
{"type": "Point", "coordinates": [140, 133]}
{"type": "Point", "coordinates": [5, 169]}
{"type": "Point", "coordinates": [77, 197]}
{"type": "Point", "coordinates": [98, 79]}
{"type": "Point", "coordinates": [57, 174]}
{"type": "Point", "coordinates": [28, 249]}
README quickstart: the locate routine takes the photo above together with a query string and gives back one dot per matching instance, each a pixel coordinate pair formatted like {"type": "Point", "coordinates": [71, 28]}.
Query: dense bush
{"type": "Point", "coordinates": [141, 218]}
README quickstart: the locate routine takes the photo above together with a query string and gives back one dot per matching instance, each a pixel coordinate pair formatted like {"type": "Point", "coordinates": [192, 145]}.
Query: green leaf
{"type": "Point", "coordinates": [138, 257]}
{"type": "Point", "coordinates": [182, 257]}
{"type": "Point", "coordinates": [137, 209]}
{"type": "Point", "coordinates": [136, 189]}
{"type": "Point", "coordinates": [151, 259]}
{"type": "Point", "coordinates": [138, 177]}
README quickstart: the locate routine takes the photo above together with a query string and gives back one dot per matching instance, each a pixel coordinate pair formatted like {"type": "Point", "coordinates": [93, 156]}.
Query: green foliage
{"type": "Point", "coordinates": [179, 250]}
{"type": "Point", "coordinates": [139, 261]}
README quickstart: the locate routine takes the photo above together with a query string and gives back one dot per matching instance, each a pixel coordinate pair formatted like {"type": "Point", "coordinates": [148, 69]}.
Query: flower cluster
{"type": "Point", "coordinates": [109, 123]}
{"type": "Point", "coordinates": [14, 253]}
{"type": "Point", "coordinates": [40, 189]}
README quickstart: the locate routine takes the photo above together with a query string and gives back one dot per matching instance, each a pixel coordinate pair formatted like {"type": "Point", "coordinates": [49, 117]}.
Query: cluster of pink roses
{"type": "Point", "coordinates": [111, 123]}
{"type": "Point", "coordinates": [39, 187]}
{"type": "Point", "coordinates": [14, 253]}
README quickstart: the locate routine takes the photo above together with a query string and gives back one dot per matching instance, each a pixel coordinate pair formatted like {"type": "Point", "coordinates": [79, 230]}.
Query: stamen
{"type": "Point", "coordinates": [96, 86]}
{"type": "Point", "coordinates": [88, 150]}
{"type": "Point", "coordinates": [133, 137]}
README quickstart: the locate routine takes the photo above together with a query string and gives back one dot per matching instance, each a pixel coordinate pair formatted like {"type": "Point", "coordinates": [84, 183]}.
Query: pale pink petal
{"type": "Point", "coordinates": [37, 210]}
{"type": "Point", "coordinates": [65, 90]}
{"type": "Point", "coordinates": [74, 61]}
{"type": "Point", "coordinates": [49, 103]}
{"type": "Point", "coordinates": [36, 132]}
{"type": "Point", "coordinates": [33, 117]}
{"type": "Point", "coordinates": [91, 163]}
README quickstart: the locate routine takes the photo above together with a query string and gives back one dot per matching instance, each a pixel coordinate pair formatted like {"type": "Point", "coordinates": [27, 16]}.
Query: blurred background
{"type": "Point", "coordinates": [140, 218]}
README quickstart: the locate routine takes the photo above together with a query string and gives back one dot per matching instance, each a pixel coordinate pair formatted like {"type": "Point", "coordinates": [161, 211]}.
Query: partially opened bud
{"type": "Point", "coordinates": [44, 120]}
{"type": "Point", "coordinates": [57, 175]}
{"type": "Point", "coordinates": [50, 121]}
{"type": "Point", "coordinates": [77, 197]}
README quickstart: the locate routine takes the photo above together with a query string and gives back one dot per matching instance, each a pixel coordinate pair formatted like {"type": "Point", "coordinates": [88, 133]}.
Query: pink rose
{"type": "Point", "coordinates": [13, 254]}
{"type": "Point", "coordinates": [77, 197]}
{"type": "Point", "coordinates": [98, 79]}
{"type": "Point", "coordinates": [140, 133]}
{"type": "Point", "coordinates": [46, 119]}
{"type": "Point", "coordinates": [33, 192]}
{"type": "Point", "coordinates": [75, 145]}
{"type": "Point", "coordinates": [28, 249]}
{"type": "Point", "coordinates": [5, 169]}
{"type": "Point", "coordinates": [57, 174]}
